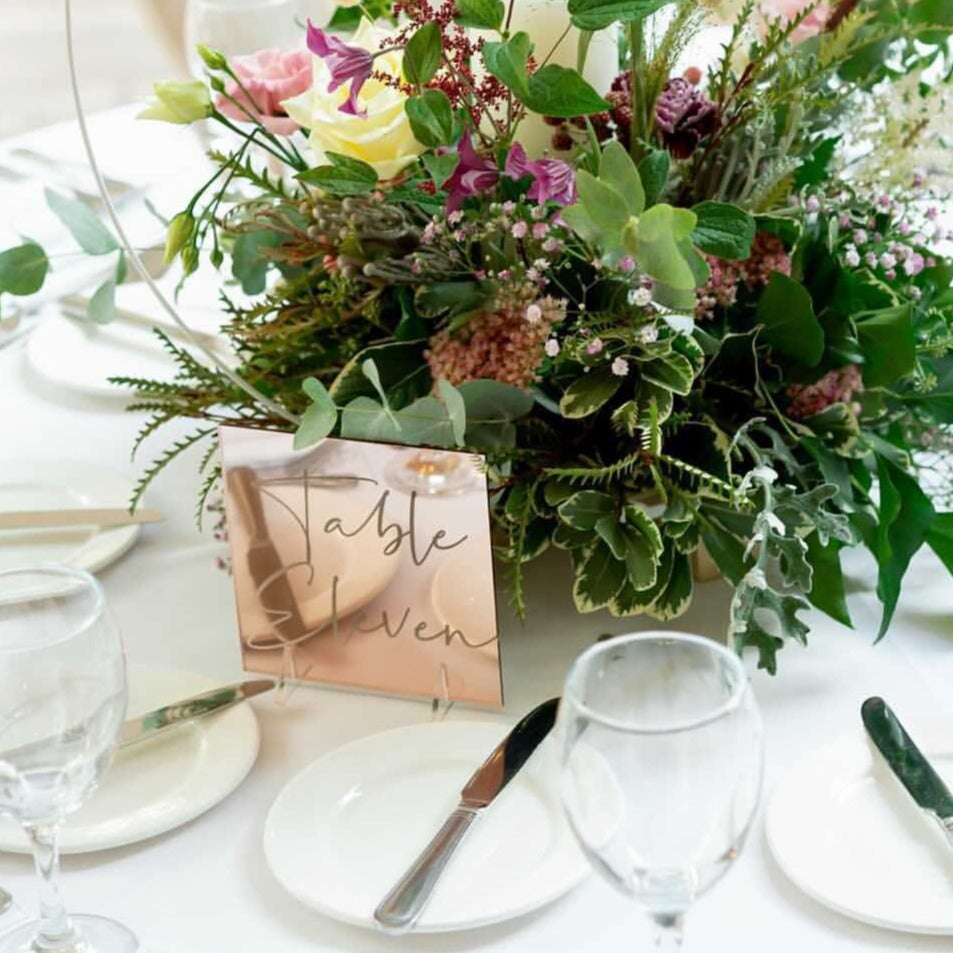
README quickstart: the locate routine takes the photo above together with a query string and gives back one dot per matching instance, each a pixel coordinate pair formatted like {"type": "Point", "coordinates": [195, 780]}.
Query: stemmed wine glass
{"type": "Point", "coordinates": [238, 27]}
{"type": "Point", "coordinates": [660, 747]}
{"type": "Point", "coordinates": [62, 702]}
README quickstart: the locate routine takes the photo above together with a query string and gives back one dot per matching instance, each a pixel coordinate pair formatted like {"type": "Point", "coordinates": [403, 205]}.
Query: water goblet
{"type": "Point", "coordinates": [62, 703]}
{"type": "Point", "coordinates": [239, 27]}
{"type": "Point", "coordinates": [661, 760]}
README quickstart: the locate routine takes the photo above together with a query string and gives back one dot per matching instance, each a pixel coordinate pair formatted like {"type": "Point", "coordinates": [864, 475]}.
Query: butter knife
{"type": "Point", "coordinates": [908, 763]}
{"type": "Point", "coordinates": [400, 909]}
{"type": "Point", "coordinates": [265, 565]}
{"type": "Point", "coordinates": [82, 516]}
{"type": "Point", "coordinates": [147, 726]}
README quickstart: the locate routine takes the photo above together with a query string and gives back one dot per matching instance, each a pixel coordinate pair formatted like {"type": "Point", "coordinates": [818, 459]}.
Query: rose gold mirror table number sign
{"type": "Point", "coordinates": [356, 565]}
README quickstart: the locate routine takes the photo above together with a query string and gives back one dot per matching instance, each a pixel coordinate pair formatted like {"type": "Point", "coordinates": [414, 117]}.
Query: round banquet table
{"type": "Point", "coordinates": [205, 887]}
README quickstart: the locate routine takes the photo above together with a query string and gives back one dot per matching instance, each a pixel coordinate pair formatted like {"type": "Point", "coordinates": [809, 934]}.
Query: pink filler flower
{"type": "Point", "coordinates": [269, 77]}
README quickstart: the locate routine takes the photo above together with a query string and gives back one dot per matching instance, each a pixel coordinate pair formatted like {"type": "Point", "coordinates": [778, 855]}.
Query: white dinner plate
{"type": "Point", "coordinates": [845, 831]}
{"type": "Point", "coordinates": [344, 830]}
{"type": "Point", "coordinates": [81, 356]}
{"type": "Point", "coordinates": [157, 785]}
{"type": "Point", "coordinates": [55, 484]}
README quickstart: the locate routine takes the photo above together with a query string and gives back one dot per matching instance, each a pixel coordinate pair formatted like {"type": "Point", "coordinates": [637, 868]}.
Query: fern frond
{"type": "Point", "coordinates": [590, 476]}
{"type": "Point", "coordinates": [163, 460]}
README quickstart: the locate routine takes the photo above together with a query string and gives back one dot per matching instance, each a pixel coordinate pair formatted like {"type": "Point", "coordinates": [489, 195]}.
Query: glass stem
{"type": "Point", "coordinates": [669, 931]}
{"type": "Point", "coordinates": [56, 933]}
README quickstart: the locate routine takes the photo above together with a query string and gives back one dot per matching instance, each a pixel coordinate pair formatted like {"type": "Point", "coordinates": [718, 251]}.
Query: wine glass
{"type": "Point", "coordinates": [660, 748]}
{"type": "Point", "coordinates": [238, 27]}
{"type": "Point", "coordinates": [62, 702]}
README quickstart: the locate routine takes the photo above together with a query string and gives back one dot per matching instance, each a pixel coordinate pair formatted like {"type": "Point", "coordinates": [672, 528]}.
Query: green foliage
{"type": "Point", "coordinates": [481, 14]}
{"type": "Point", "coordinates": [90, 233]}
{"type": "Point", "coordinates": [723, 230]}
{"type": "Point", "coordinates": [599, 14]}
{"type": "Point", "coordinates": [422, 54]}
{"type": "Point", "coordinates": [431, 117]}
{"type": "Point", "coordinates": [790, 327]}
{"type": "Point", "coordinates": [342, 176]}
{"type": "Point", "coordinates": [23, 269]}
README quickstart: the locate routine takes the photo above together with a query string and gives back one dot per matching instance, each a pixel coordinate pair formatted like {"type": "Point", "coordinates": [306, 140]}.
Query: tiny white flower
{"type": "Point", "coordinates": [852, 257]}
{"type": "Point", "coordinates": [649, 333]}
{"type": "Point", "coordinates": [620, 367]}
{"type": "Point", "coordinates": [552, 347]}
{"type": "Point", "coordinates": [534, 314]}
{"type": "Point", "coordinates": [640, 297]}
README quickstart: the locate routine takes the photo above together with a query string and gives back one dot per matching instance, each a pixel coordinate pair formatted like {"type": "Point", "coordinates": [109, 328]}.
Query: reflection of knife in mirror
{"type": "Point", "coordinates": [400, 909]}
{"type": "Point", "coordinates": [908, 763]}
{"type": "Point", "coordinates": [147, 726]}
{"type": "Point", "coordinates": [264, 563]}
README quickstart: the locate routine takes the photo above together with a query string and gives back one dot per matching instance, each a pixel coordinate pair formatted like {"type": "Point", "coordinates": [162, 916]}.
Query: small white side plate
{"type": "Point", "coordinates": [159, 784]}
{"type": "Point", "coordinates": [845, 831]}
{"type": "Point", "coordinates": [344, 830]}
{"type": "Point", "coordinates": [36, 484]}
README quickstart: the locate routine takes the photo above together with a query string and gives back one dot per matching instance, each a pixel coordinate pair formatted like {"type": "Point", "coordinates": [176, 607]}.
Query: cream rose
{"type": "Point", "coordinates": [382, 137]}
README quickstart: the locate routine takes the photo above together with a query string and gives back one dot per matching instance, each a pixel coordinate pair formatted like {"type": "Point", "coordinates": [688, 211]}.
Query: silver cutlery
{"type": "Point", "coordinates": [75, 175]}
{"type": "Point", "coordinates": [908, 763]}
{"type": "Point", "coordinates": [75, 306]}
{"type": "Point", "coordinates": [44, 519]}
{"type": "Point", "coordinates": [148, 726]}
{"type": "Point", "coordinates": [400, 909]}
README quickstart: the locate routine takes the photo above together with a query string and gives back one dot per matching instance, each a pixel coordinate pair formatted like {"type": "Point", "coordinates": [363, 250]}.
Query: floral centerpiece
{"type": "Point", "coordinates": [716, 312]}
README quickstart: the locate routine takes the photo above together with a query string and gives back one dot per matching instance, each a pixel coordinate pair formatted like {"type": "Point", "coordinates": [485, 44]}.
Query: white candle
{"type": "Point", "coordinates": [545, 21]}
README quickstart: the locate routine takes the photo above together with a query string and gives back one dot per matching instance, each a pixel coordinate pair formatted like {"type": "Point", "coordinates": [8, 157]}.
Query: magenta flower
{"type": "Point", "coordinates": [553, 179]}
{"type": "Point", "coordinates": [474, 173]}
{"type": "Point", "coordinates": [347, 64]}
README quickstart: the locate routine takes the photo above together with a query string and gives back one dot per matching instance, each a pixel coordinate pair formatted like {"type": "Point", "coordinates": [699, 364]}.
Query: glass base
{"type": "Point", "coordinates": [94, 935]}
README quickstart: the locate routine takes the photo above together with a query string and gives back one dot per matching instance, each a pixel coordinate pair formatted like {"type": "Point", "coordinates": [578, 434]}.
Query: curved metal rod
{"type": "Point", "coordinates": [220, 365]}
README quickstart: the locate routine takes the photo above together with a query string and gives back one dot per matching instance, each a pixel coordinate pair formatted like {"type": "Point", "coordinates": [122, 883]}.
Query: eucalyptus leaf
{"type": "Point", "coordinates": [23, 269]}
{"type": "Point", "coordinates": [618, 170]}
{"type": "Point", "coordinates": [84, 225]}
{"type": "Point", "coordinates": [456, 409]}
{"type": "Point", "coordinates": [889, 345]}
{"type": "Point", "coordinates": [319, 418]}
{"type": "Point", "coordinates": [366, 419]}
{"type": "Point", "coordinates": [102, 303]}
{"type": "Point", "coordinates": [653, 172]}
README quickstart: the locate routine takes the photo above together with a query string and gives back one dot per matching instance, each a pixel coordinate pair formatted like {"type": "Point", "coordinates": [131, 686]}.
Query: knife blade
{"type": "Point", "coordinates": [908, 763]}
{"type": "Point", "coordinates": [46, 519]}
{"type": "Point", "coordinates": [400, 909]}
{"type": "Point", "coordinates": [147, 726]}
{"type": "Point", "coordinates": [265, 566]}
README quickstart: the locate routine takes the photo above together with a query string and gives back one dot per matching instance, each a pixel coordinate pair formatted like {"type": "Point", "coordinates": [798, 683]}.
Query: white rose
{"type": "Point", "coordinates": [382, 138]}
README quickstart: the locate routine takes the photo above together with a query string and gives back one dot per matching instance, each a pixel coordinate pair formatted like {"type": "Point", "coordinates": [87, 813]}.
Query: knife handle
{"type": "Point", "coordinates": [243, 482]}
{"type": "Point", "coordinates": [399, 910]}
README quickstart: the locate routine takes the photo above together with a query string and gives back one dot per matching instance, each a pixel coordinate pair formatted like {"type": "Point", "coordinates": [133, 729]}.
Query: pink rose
{"type": "Point", "coordinates": [269, 77]}
{"type": "Point", "coordinates": [787, 10]}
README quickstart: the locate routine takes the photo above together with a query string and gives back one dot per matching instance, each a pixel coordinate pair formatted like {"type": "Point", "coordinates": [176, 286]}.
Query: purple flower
{"type": "Point", "coordinates": [553, 179]}
{"type": "Point", "coordinates": [474, 173]}
{"type": "Point", "coordinates": [684, 117]}
{"type": "Point", "coordinates": [347, 64]}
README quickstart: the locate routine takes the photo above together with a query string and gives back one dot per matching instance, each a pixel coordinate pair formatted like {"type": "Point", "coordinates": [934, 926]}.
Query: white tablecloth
{"type": "Point", "coordinates": [205, 888]}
